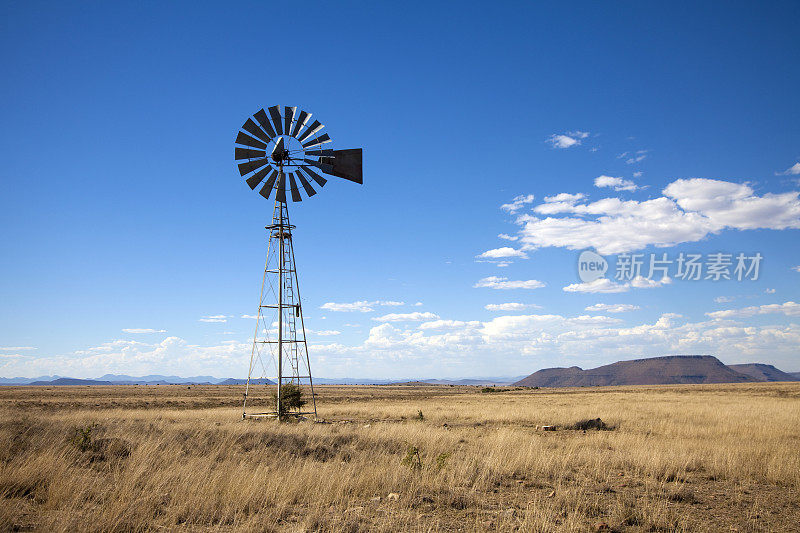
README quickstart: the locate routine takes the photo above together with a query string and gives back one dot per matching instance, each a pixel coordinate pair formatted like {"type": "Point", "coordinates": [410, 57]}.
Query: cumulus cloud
{"type": "Point", "coordinates": [793, 170]}
{"type": "Point", "coordinates": [416, 316]}
{"type": "Point", "coordinates": [362, 306]}
{"type": "Point", "coordinates": [618, 184]}
{"type": "Point", "coordinates": [172, 355]}
{"type": "Point", "coordinates": [786, 308]}
{"type": "Point", "coordinates": [605, 285]}
{"type": "Point", "coordinates": [601, 285]}
{"type": "Point", "coordinates": [507, 237]}
{"type": "Point", "coordinates": [517, 203]}
{"type": "Point", "coordinates": [613, 308]}
{"type": "Point", "coordinates": [562, 141]}
{"type": "Point", "coordinates": [796, 268]}
{"type": "Point", "coordinates": [143, 330]}
{"type": "Point", "coordinates": [640, 282]}
{"type": "Point", "coordinates": [496, 282]}
{"type": "Point", "coordinates": [504, 252]}
{"type": "Point", "coordinates": [214, 318]}
{"type": "Point", "coordinates": [510, 306]}
{"type": "Point", "coordinates": [448, 324]}
{"type": "Point", "coordinates": [16, 348]}
{"type": "Point", "coordinates": [689, 211]}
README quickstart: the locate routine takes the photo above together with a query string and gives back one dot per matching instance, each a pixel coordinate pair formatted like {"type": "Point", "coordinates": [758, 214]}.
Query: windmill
{"type": "Point", "coordinates": [276, 149]}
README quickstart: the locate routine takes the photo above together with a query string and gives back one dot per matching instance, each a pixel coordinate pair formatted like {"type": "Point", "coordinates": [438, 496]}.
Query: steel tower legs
{"type": "Point", "coordinates": [279, 307]}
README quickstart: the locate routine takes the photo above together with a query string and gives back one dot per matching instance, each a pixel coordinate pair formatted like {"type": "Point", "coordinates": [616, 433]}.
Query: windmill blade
{"type": "Point", "coordinates": [246, 140]}
{"type": "Point", "coordinates": [306, 185]}
{"type": "Point", "coordinates": [347, 164]}
{"type": "Point", "coordinates": [275, 113]}
{"type": "Point", "coordinates": [301, 121]}
{"type": "Point", "coordinates": [322, 139]}
{"type": "Point", "coordinates": [262, 119]}
{"type": "Point", "coordinates": [293, 187]}
{"type": "Point", "coordinates": [250, 166]}
{"type": "Point", "coordinates": [256, 178]}
{"type": "Point", "coordinates": [288, 118]}
{"type": "Point", "coordinates": [320, 152]}
{"type": "Point", "coordinates": [312, 129]}
{"type": "Point", "coordinates": [316, 177]}
{"type": "Point", "coordinates": [255, 131]}
{"type": "Point", "coordinates": [248, 153]}
{"type": "Point", "coordinates": [280, 195]}
{"type": "Point", "coordinates": [266, 190]}
{"type": "Point", "coordinates": [327, 169]}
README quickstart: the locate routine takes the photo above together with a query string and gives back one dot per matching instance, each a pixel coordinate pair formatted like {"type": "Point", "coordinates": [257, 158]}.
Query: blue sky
{"type": "Point", "coordinates": [125, 223]}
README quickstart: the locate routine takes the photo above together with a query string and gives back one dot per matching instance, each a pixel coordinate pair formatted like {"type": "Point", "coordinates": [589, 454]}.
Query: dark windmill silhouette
{"type": "Point", "coordinates": [283, 151]}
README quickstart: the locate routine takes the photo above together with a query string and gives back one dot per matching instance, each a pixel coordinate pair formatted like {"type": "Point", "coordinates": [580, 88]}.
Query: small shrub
{"type": "Point", "coordinates": [591, 423]}
{"type": "Point", "coordinates": [291, 397]}
{"type": "Point", "coordinates": [489, 389]}
{"type": "Point", "coordinates": [412, 458]}
{"type": "Point", "coordinates": [441, 460]}
{"type": "Point", "coordinates": [81, 438]}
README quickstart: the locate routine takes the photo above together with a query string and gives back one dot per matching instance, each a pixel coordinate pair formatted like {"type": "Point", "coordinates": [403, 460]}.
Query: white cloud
{"type": "Point", "coordinates": [143, 330]}
{"type": "Point", "coordinates": [796, 268]}
{"type": "Point", "coordinates": [578, 134]}
{"type": "Point", "coordinates": [418, 304]}
{"type": "Point", "coordinates": [613, 308]}
{"type": "Point", "coordinates": [361, 306]}
{"type": "Point", "coordinates": [214, 318]}
{"type": "Point", "coordinates": [517, 203]}
{"type": "Point", "coordinates": [601, 285]}
{"type": "Point", "coordinates": [172, 355]}
{"type": "Point", "coordinates": [326, 332]}
{"type": "Point", "coordinates": [637, 174]}
{"type": "Point", "coordinates": [567, 140]}
{"type": "Point", "coordinates": [587, 320]}
{"type": "Point", "coordinates": [416, 316]}
{"type": "Point", "coordinates": [495, 282]}
{"type": "Point", "coordinates": [510, 306]}
{"type": "Point", "coordinates": [562, 141]}
{"type": "Point", "coordinates": [786, 308]}
{"type": "Point", "coordinates": [618, 184]}
{"type": "Point", "coordinates": [253, 317]}
{"type": "Point", "coordinates": [689, 211]}
{"type": "Point", "coordinates": [640, 282]}
{"type": "Point", "coordinates": [16, 348]}
{"type": "Point", "coordinates": [508, 237]}
{"type": "Point", "coordinates": [499, 253]}
{"type": "Point", "coordinates": [769, 291]}
{"type": "Point", "coordinates": [724, 299]}
{"type": "Point", "coordinates": [638, 157]}
{"type": "Point", "coordinates": [448, 324]}
{"type": "Point", "coordinates": [793, 170]}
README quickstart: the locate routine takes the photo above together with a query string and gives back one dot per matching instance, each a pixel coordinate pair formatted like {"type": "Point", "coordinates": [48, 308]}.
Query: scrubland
{"type": "Point", "coordinates": [402, 458]}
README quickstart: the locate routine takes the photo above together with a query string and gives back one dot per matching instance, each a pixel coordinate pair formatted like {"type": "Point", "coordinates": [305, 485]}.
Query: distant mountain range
{"type": "Point", "coordinates": [121, 379]}
{"type": "Point", "coordinates": [672, 369]}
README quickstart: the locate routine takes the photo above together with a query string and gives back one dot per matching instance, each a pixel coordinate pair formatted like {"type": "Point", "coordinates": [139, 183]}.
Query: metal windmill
{"type": "Point", "coordinates": [278, 148]}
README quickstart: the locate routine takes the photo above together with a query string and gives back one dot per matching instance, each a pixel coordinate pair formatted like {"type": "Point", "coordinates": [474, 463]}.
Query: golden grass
{"type": "Point", "coordinates": [680, 458]}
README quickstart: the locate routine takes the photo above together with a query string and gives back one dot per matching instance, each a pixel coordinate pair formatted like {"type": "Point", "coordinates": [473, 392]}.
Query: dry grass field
{"type": "Point", "coordinates": [173, 458]}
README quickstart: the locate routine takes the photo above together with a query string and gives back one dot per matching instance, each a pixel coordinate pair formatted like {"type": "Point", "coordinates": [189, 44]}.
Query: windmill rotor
{"type": "Point", "coordinates": [281, 146]}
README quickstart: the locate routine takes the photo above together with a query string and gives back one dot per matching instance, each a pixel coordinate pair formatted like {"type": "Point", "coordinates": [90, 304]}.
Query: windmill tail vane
{"type": "Point", "coordinates": [283, 150]}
